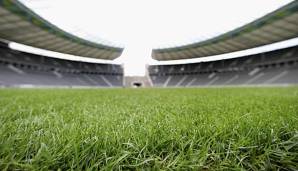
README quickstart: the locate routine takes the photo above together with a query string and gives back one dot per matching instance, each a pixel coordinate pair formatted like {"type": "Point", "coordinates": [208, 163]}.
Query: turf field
{"type": "Point", "coordinates": [195, 129]}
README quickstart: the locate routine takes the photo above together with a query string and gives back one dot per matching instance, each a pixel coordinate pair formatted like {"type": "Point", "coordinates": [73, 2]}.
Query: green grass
{"type": "Point", "coordinates": [135, 129]}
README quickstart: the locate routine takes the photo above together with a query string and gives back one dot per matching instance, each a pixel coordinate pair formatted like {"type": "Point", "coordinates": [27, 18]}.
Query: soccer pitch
{"type": "Point", "coordinates": [199, 129]}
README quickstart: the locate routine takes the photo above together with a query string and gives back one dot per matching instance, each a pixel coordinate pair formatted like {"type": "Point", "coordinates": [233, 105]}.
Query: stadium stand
{"type": "Point", "coordinates": [20, 69]}
{"type": "Point", "coordinates": [278, 67]}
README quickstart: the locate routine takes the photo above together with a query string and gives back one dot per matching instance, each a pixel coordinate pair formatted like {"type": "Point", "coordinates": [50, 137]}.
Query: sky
{"type": "Point", "coordinates": [140, 25]}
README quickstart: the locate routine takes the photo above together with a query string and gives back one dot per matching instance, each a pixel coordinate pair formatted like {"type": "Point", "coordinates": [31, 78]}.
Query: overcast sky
{"type": "Point", "coordinates": [140, 25]}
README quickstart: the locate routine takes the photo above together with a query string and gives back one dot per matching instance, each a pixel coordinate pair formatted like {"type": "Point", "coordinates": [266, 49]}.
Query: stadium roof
{"type": "Point", "coordinates": [19, 24]}
{"type": "Point", "coordinates": [279, 25]}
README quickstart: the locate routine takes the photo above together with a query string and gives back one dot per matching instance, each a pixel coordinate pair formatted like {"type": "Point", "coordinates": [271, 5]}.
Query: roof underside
{"type": "Point", "coordinates": [20, 24]}
{"type": "Point", "coordinates": [279, 25]}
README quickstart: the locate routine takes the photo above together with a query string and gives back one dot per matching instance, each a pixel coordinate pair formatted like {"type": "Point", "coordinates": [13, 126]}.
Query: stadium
{"type": "Point", "coordinates": [228, 101]}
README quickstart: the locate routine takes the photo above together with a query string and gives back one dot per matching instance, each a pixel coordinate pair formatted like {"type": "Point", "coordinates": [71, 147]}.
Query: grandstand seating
{"type": "Point", "coordinates": [279, 67]}
{"type": "Point", "coordinates": [25, 69]}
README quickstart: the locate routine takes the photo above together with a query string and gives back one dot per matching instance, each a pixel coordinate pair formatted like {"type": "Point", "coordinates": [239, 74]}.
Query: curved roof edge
{"type": "Point", "coordinates": [19, 9]}
{"type": "Point", "coordinates": [277, 15]}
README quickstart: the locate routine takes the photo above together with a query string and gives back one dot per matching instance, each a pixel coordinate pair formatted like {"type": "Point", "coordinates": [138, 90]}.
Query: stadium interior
{"type": "Point", "coordinates": [25, 69]}
{"type": "Point", "coordinates": [192, 110]}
